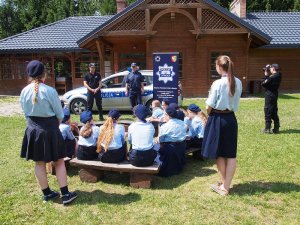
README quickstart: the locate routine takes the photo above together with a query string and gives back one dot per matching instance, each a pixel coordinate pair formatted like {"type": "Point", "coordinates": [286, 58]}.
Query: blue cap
{"type": "Point", "coordinates": [92, 65]}
{"type": "Point", "coordinates": [67, 115]}
{"type": "Point", "coordinates": [86, 116]}
{"type": "Point", "coordinates": [141, 112]}
{"type": "Point", "coordinates": [180, 115]}
{"type": "Point", "coordinates": [174, 105]}
{"type": "Point", "coordinates": [114, 113]}
{"type": "Point", "coordinates": [171, 111]}
{"type": "Point", "coordinates": [133, 64]}
{"type": "Point", "coordinates": [35, 68]}
{"type": "Point", "coordinates": [194, 108]}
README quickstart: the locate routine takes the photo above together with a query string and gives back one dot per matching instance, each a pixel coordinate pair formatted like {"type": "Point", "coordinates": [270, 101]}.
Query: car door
{"type": "Point", "coordinates": [113, 94]}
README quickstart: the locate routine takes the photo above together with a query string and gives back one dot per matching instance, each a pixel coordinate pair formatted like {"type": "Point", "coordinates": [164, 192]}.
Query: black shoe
{"type": "Point", "coordinates": [275, 131]}
{"type": "Point", "coordinates": [266, 131]}
{"type": "Point", "coordinates": [68, 198]}
{"type": "Point", "coordinates": [51, 196]}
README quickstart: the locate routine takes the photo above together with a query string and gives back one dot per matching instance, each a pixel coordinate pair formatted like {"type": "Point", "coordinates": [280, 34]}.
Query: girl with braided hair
{"type": "Point", "coordinates": [220, 135]}
{"type": "Point", "coordinates": [111, 141]}
{"type": "Point", "coordinates": [43, 141]}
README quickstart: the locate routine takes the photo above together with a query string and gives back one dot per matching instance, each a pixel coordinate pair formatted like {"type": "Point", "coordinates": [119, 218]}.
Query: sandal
{"type": "Point", "coordinates": [219, 190]}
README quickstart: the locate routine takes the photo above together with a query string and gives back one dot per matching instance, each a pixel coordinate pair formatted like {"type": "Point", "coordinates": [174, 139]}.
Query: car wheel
{"type": "Point", "coordinates": [148, 105]}
{"type": "Point", "coordinates": [78, 106]}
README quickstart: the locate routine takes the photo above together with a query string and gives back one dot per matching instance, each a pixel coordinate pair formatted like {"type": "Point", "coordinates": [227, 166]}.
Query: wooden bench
{"type": "Point", "coordinates": [92, 171]}
{"type": "Point", "coordinates": [51, 167]}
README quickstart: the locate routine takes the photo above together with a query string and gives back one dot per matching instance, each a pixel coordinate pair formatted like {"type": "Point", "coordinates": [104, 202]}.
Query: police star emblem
{"type": "Point", "coordinates": [174, 58]}
{"type": "Point", "coordinates": [165, 73]}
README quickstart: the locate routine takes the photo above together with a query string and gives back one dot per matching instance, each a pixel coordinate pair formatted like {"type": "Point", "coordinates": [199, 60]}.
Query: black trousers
{"type": "Point", "coordinates": [90, 102]}
{"type": "Point", "coordinates": [135, 98]}
{"type": "Point", "coordinates": [271, 110]}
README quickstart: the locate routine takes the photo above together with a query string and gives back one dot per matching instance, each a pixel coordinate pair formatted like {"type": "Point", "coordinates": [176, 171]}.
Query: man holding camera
{"type": "Point", "coordinates": [271, 83]}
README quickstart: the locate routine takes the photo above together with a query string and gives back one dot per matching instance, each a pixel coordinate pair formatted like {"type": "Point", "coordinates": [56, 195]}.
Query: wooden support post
{"type": "Point", "coordinates": [90, 175]}
{"type": "Point", "coordinates": [101, 53]}
{"type": "Point", "coordinates": [140, 180]}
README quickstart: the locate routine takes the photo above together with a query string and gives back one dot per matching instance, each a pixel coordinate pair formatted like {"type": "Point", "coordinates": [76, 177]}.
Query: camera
{"type": "Point", "coordinates": [267, 68]}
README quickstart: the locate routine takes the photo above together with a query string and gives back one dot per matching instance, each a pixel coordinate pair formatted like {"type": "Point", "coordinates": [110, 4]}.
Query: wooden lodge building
{"type": "Point", "coordinates": [199, 30]}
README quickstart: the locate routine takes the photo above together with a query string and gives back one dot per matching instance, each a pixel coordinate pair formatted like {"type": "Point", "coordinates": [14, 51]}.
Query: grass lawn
{"type": "Point", "coordinates": [266, 188]}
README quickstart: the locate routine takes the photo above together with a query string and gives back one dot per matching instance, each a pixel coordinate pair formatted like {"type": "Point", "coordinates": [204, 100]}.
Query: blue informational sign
{"type": "Point", "coordinates": [165, 76]}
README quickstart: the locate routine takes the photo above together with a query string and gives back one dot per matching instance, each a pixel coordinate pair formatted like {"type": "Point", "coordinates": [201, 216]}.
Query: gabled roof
{"type": "Point", "coordinates": [283, 27]}
{"type": "Point", "coordinates": [211, 3]}
{"type": "Point", "coordinates": [59, 36]}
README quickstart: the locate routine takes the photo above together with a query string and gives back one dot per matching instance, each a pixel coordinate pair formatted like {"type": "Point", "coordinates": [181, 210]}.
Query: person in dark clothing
{"type": "Point", "coordinates": [135, 86]}
{"type": "Point", "coordinates": [92, 81]}
{"type": "Point", "coordinates": [271, 83]}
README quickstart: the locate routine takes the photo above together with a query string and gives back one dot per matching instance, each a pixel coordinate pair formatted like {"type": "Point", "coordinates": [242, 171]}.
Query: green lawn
{"type": "Point", "coordinates": [266, 188]}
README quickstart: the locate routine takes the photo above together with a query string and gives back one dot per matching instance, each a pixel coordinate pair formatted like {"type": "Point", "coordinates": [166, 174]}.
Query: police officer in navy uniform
{"type": "Point", "coordinates": [135, 86]}
{"type": "Point", "coordinates": [271, 83]}
{"type": "Point", "coordinates": [92, 81]}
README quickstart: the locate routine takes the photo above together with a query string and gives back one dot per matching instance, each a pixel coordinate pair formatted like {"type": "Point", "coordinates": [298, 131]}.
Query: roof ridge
{"type": "Point", "coordinates": [34, 29]}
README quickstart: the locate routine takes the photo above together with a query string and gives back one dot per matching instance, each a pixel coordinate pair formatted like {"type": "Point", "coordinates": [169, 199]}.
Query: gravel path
{"type": "Point", "coordinates": [10, 109]}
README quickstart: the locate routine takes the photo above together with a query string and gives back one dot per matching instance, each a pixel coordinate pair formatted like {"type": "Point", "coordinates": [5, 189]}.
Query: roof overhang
{"type": "Point", "coordinates": [259, 37]}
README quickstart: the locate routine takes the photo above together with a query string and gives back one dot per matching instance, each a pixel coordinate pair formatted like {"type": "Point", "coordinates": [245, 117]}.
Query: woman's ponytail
{"type": "Point", "coordinates": [36, 91]}
{"type": "Point", "coordinates": [106, 135]}
{"type": "Point", "coordinates": [86, 130]}
{"type": "Point", "coordinates": [226, 64]}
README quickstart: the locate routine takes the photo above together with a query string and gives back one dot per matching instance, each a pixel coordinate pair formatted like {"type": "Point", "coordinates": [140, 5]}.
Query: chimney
{"type": "Point", "coordinates": [239, 8]}
{"type": "Point", "coordinates": [121, 5]}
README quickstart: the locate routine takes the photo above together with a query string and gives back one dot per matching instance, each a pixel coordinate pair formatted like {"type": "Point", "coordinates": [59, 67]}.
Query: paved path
{"type": "Point", "coordinates": [10, 109]}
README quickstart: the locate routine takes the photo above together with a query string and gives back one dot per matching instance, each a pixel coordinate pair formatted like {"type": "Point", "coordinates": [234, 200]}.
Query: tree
{"type": "Point", "coordinates": [297, 5]}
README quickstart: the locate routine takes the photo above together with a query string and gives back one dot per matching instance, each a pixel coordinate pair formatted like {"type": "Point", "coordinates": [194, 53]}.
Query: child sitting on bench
{"type": "Point", "coordinates": [140, 136]}
{"type": "Point", "coordinates": [69, 138]}
{"type": "Point", "coordinates": [196, 126]}
{"type": "Point", "coordinates": [88, 136]}
{"type": "Point", "coordinates": [111, 145]}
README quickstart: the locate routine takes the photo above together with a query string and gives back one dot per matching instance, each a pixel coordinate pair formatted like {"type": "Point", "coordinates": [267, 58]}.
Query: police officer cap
{"type": "Point", "coordinates": [174, 105]}
{"type": "Point", "coordinates": [67, 115]}
{"type": "Point", "coordinates": [141, 112]}
{"type": "Point", "coordinates": [171, 111]}
{"type": "Point", "coordinates": [86, 116]}
{"type": "Point", "coordinates": [114, 113]}
{"type": "Point", "coordinates": [35, 68]}
{"type": "Point", "coordinates": [275, 66]}
{"type": "Point", "coordinates": [194, 108]}
{"type": "Point", "coordinates": [133, 64]}
{"type": "Point", "coordinates": [92, 65]}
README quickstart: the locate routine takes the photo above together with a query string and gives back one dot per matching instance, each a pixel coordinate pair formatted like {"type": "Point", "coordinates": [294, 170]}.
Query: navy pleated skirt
{"type": "Point", "coordinates": [142, 158]}
{"type": "Point", "coordinates": [113, 156]}
{"type": "Point", "coordinates": [43, 140]}
{"type": "Point", "coordinates": [172, 156]}
{"type": "Point", "coordinates": [87, 152]}
{"type": "Point", "coordinates": [220, 136]}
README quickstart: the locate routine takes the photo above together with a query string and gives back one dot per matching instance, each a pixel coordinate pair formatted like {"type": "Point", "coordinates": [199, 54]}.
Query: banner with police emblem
{"type": "Point", "coordinates": [165, 76]}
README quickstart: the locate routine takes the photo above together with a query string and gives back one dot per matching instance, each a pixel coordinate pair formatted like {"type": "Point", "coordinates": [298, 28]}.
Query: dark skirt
{"type": "Point", "coordinates": [194, 143]}
{"type": "Point", "coordinates": [220, 136]}
{"type": "Point", "coordinates": [142, 158]}
{"type": "Point", "coordinates": [113, 156]}
{"type": "Point", "coordinates": [172, 156]}
{"type": "Point", "coordinates": [70, 147]}
{"type": "Point", "coordinates": [87, 153]}
{"type": "Point", "coordinates": [43, 140]}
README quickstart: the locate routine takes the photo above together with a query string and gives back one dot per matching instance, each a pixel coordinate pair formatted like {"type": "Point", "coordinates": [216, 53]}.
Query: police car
{"type": "Point", "coordinates": [113, 94]}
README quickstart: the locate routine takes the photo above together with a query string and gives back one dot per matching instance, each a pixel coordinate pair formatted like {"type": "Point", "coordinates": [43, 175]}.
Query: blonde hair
{"type": "Point", "coordinates": [106, 134]}
{"type": "Point", "coordinates": [156, 103]}
{"type": "Point", "coordinates": [226, 64]}
{"type": "Point", "coordinates": [87, 130]}
{"type": "Point", "coordinates": [203, 117]}
{"type": "Point", "coordinates": [36, 87]}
